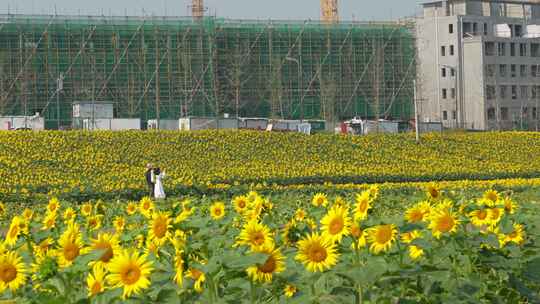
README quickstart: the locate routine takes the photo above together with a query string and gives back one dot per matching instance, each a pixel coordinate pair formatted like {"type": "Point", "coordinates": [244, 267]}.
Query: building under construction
{"type": "Point", "coordinates": [166, 68]}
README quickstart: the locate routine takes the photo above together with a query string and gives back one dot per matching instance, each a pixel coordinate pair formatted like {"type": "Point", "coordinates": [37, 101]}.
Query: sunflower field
{"type": "Point", "coordinates": [438, 246]}
{"type": "Point", "coordinates": [79, 165]}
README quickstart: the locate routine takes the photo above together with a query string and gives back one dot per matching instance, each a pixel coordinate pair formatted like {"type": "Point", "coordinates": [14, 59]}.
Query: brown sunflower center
{"type": "Point", "coordinates": [241, 204]}
{"type": "Point", "coordinates": [159, 228]}
{"type": "Point", "coordinates": [257, 238]}
{"type": "Point", "coordinates": [336, 225]}
{"type": "Point", "coordinates": [131, 274]}
{"type": "Point", "coordinates": [14, 231]}
{"type": "Point", "coordinates": [513, 235]}
{"type": "Point", "coordinates": [482, 214]}
{"type": "Point", "coordinates": [8, 273]}
{"type": "Point", "coordinates": [416, 215]}
{"type": "Point", "coordinates": [356, 231]}
{"type": "Point", "coordinates": [445, 223]}
{"type": "Point", "coordinates": [384, 234]}
{"type": "Point", "coordinates": [362, 206]}
{"type": "Point", "coordinates": [434, 192]}
{"type": "Point", "coordinates": [195, 274]}
{"type": "Point", "coordinates": [71, 251]}
{"type": "Point", "coordinates": [317, 253]}
{"type": "Point", "coordinates": [217, 212]}
{"type": "Point", "coordinates": [96, 288]}
{"type": "Point", "coordinates": [269, 266]}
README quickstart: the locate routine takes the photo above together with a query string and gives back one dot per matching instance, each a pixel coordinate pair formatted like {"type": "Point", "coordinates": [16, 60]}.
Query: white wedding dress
{"type": "Point", "coordinates": [158, 188]}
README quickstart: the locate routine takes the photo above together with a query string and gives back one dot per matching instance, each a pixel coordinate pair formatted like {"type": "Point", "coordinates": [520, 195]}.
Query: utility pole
{"type": "Point", "coordinates": [59, 88]}
{"type": "Point", "coordinates": [416, 113]}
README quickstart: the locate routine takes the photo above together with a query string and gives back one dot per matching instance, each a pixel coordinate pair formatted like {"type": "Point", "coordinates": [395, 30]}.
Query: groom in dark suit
{"type": "Point", "coordinates": [149, 182]}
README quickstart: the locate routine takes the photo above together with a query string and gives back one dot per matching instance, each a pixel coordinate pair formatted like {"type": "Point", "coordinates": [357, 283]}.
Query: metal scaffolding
{"type": "Point", "coordinates": [170, 67]}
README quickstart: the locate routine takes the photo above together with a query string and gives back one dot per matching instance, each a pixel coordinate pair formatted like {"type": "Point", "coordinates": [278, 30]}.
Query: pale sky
{"type": "Point", "coordinates": [245, 9]}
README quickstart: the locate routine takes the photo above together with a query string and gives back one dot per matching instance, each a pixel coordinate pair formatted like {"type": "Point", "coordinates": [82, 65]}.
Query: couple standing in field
{"type": "Point", "coordinates": [154, 179]}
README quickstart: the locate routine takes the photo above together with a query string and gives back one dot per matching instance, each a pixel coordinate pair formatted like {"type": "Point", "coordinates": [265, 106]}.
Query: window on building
{"type": "Point", "coordinates": [502, 90]}
{"type": "Point", "coordinates": [491, 113]}
{"type": "Point", "coordinates": [475, 28]}
{"type": "Point", "coordinates": [453, 93]}
{"type": "Point", "coordinates": [514, 92]}
{"type": "Point", "coordinates": [513, 70]}
{"type": "Point", "coordinates": [454, 115]}
{"type": "Point", "coordinates": [524, 92]}
{"type": "Point", "coordinates": [501, 49]}
{"type": "Point", "coordinates": [453, 72]}
{"type": "Point", "coordinates": [490, 92]}
{"type": "Point", "coordinates": [489, 48]}
{"type": "Point", "coordinates": [485, 29]}
{"type": "Point", "coordinates": [504, 113]}
{"type": "Point", "coordinates": [534, 93]}
{"type": "Point", "coordinates": [522, 49]}
{"type": "Point", "coordinates": [535, 49]}
{"type": "Point", "coordinates": [534, 70]}
{"type": "Point", "coordinates": [502, 70]}
{"type": "Point", "coordinates": [451, 28]}
{"type": "Point", "coordinates": [523, 70]}
{"type": "Point", "coordinates": [444, 115]}
{"type": "Point", "coordinates": [443, 72]}
{"type": "Point", "coordinates": [443, 50]}
{"type": "Point", "coordinates": [518, 30]}
{"type": "Point", "coordinates": [444, 93]}
{"type": "Point", "coordinates": [452, 50]}
{"type": "Point", "coordinates": [534, 112]}
{"type": "Point", "coordinates": [490, 70]}
{"type": "Point", "coordinates": [525, 112]}
{"type": "Point", "coordinates": [512, 49]}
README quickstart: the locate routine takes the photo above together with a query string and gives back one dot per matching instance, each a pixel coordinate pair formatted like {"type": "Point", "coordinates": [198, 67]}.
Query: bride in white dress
{"type": "Point", "coordinates": [158, 177]}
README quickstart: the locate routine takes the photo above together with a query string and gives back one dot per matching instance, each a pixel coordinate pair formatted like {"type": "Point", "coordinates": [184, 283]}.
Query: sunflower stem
{"type": "Point", "coordinates": [359, 299]}
{"type": "Point", "coordinates": [252, 292]}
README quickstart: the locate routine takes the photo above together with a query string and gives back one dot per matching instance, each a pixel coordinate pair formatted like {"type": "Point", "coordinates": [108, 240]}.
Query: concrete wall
{"type": "Point", "coordinates": [473, 97]}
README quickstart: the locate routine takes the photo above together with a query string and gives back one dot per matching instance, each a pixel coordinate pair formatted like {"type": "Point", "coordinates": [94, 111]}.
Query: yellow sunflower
{"type": "Point", "coordinates": [510, 206]}
{"type": "Point", "coordinates": [71, 245]}
{"type": "Point", "coordinates": [255, 234]}
{"type": "Point", "coordinates": [119, 224]}
{"type": "Point", "coordinates": [28, 214]}
{"type": "Point", "coordinates": [43, 247]}
{"type": "Point", "coordinates": [433, 192]}
{"type": "Point", "coordinates": [107, 242]}
{"type": "Point", "coordinates": [319, 199]}
{"type": "Point", "coordinates": [491, 197]}
{"type": "Point", "coordinates": [517, 236]}
{"type": "Point", "coordinates": [2, 209]}
{"type": "Point", "coordinates": [362, 206]}
{"type": "Point", "coordinates": [69, 215]}
{"type": "Point", "coordinates": [86, 209]}
{"type": "Point", "coordinates": [495, 215]}
{"type": "Point", "coordinates": [415, 252]}
{"type": "Point", "coordinates": [336, 223]}
{"type": "Point", "coordinates": [381, 237]}
{"type": "Point", "coordinates": [289, 290]}
{"type": "Point", "coordinates": [187, 211]}
{"type": "Point", "coordinates": [131, 208]}
{"type": "Point", "coordinates": [443, 221]}
{"type": "Point", "coordinates": [240, 204]}
{"type": "Point", "coordinates": [317, 253]}
{"type": "Point", "coordinates": [359, 235]}
{"type": "Point", "coordinates": [198, 277]}
{"type": "Point", "coordinates": [480, 217]}
{"type": "Point", "coordinates": [300, 215]}
{"type": "Point", "coordinates": [53, 205]}
{"type": "Point", "coordinates": [418, 213]}
{"type": "Point", "coordinates": [179, 268]}
{"type": "Point", "coordinates": [49, 221]}
{"type": "Point", "coordinates": [408, 237]}
{"type": "Point", "coordinates": [13, 232]}
{"type": "Point", "coordinates": [129, 270]}
{"type": "Point", "coordinates": [179, 239]}
{"type": "Point", "coordinates": [160, 225]}
{"type": "Point", "coordinates": [95, 281]}
{"type": "Point", "coordinates": [275, 263]}
{"type": "Point", "coordinates": [12, 271]}
{"type": "Point", "coordinates": [94, 222]}
{"type": "Point", "coordinates": [217, 210]}
{"type": "Point", "coordinates": [146, 206]}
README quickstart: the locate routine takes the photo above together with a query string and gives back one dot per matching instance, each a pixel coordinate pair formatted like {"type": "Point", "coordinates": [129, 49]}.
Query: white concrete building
{"type": "Point", "coordinates": [479, 64]}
